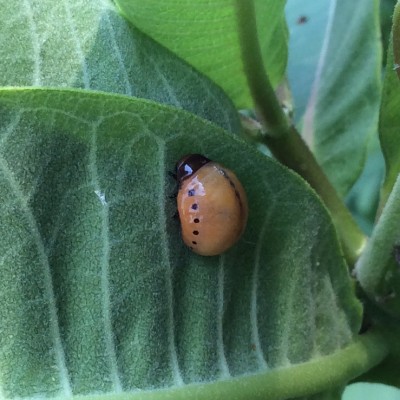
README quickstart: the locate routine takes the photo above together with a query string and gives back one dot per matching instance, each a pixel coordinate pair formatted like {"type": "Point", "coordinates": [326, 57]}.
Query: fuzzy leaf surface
{"type": "Point", "coordinates": [87, 44]}
{"type": "Point", "coordinates": [98, 293]}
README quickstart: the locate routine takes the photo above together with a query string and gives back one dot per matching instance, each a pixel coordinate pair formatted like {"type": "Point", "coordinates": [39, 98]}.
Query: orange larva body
{"type": "Point", "coordinates": [212, 207]}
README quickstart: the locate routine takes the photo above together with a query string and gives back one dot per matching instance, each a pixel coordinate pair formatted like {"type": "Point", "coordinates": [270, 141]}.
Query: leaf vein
{"type": "Point", "coordinates": [75, 36]}
{"type": "Point", "coordinates": [253, 306]}
{"type": "Point", "coordinates": [220, 336]}
{"type": "Point", "coordinates": [53, 320]}
{"type": "Point", "coordinates": [118, 54]}
{"type": "Point", "coordinates": [12, 125]}
{"type": "Point", "coordinates": [169, 287]}
{"type": "Point", "coordinates": [308, 125]}
{"type": "Point", "coordinates": [36, 81]}
{"type": "Point", "coordinates": [105, 284]}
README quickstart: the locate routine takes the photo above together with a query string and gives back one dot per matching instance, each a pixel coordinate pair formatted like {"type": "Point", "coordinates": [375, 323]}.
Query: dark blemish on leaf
{"type": "Point", "coordinates": [194, 242]}
{"type": "Point", "coordinates": [302, 19]}
{"type": "Point", "coordinates": [366, 324]}
{"type": "Point", "coordinates": [195, 232]}
{"type": "Point", "coordinates": [196, 220]}
{"type": "Point", "coordinates": [172, 174]}
{"type": "Point", "coordinates": [396, 252]}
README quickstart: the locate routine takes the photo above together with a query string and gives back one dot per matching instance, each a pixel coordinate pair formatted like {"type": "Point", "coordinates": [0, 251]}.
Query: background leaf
{"type": "Point", "coordinates": [363, 198]}
{"type": "Point", "coordinates": [87, 44]}
{"type": "Point", "coordinates": [389, 124]}
{"type": "Point", "coordinates": [371, 392]}
{"type": "Point", "coordinates": [336, 81]}
{"type": "Point", "coordinates": [98, 293]}
{"type": "Point", "coordinates": [205, 34]}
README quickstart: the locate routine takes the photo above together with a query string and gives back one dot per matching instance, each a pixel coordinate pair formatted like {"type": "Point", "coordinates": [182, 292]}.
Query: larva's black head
{"type": "Point", "coordinates": [188, 165]}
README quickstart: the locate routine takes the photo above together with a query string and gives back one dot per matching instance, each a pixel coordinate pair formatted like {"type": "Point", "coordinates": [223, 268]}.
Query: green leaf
{"type": "Point", "coordinates": [98, 293]}
{"type": "Point", "coordinates": [338, 78]}
{"type": "Point", "coordinates": [386, 17]}
{"type": "Point", "coordinates": [87, 44]}
{"type": "Point", "coordinates": [389, 122]}
{"type": "Point", "coordinates": [205, 34]}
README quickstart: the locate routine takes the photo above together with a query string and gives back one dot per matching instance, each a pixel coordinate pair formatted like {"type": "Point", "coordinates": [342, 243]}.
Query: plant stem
{"type": "Point", "coordinates": [396, 38]}
{"type": "Point", "coordinates": [260, 87]}
{"type": "Point", "coordinates": [292, 151]}
{"type": "Point", "coordinates": [377, 268]}
{"type": "Point", "coordinates": [284, 141]}
{"type": "Point", "coordinates": [298, 380]}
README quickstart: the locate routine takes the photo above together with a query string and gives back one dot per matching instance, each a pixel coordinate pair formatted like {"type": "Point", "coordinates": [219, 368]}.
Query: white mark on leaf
{"type": "Point", "coordinates": [101, 195]}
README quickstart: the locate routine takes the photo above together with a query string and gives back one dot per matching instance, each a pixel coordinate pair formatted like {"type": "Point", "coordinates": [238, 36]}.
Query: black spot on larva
{"type": "Point", "coordinates": [194, 206]}
{"type": "Point", "coordinates": [194, 242]}
{"type": "Point", "coordinates": [196, 220]}
{"type": "Point", "coordinates": [191, 192]}
{"type": "Point", "coordinates": [195, 232]}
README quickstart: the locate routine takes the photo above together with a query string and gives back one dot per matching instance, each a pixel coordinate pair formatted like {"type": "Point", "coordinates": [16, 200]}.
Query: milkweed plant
{"type": "Point", "coordinates": [99, 296]}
